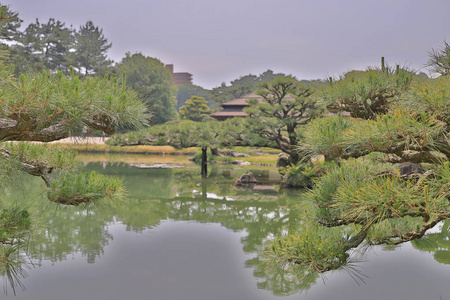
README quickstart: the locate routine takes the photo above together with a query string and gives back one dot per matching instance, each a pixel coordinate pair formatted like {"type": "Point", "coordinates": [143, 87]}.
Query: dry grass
{"type": "Point", "coordinates": [91, 147]}
{"type": "Point", "coordinates": [166, 154]}
{"type": "Point", "coordinates": [135, 158]}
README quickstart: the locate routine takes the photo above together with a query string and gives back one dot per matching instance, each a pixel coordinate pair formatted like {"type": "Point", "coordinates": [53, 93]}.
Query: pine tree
{"type": "Point", "coordinates": [195, 109]}
{"type": "Point", "coordinates": [44, 45]}
{"type": "Point", "coordinates": [90, 50]}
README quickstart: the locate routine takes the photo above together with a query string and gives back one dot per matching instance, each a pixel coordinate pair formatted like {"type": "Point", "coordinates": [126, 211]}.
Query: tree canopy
{"type": "Point", "coordinates": [285, 105]}
{"type": "Point", "coordinates": [53, 46]}
{"type": "Point", "coordinates": [195, 109]}
{"type": "Point", "coordinates": [439, 60]}
{"type": "Point", "coordinates": [241, 86]}
{"type": "Point", "coordinates": [187, 90]}
{"type": "Point", "coordinates": [380, 192]}
{"type": "Point", "coordinates": [90, 50]}
{"type": "Point", "coordinates": [47, 44]}
{"type": "Point", "coordinates": [153, 82]}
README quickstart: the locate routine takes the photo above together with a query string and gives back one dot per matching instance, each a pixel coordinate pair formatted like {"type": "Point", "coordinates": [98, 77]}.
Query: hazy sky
{"type": "Point", "coordinates": [221, 40]}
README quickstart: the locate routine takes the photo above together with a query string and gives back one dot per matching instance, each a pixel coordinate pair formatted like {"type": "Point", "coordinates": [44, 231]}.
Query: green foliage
{"type": "Point", "coordinates": [407, 134]}
{"type": "Point", "coordinates": [186, 133]}
{"type": "Point", "coordinates": [301, 175]}
{"type": "Point", "coordinates": [9, 23]}
{"type": "Point", "coordinates": [312, 249]}
{"type": "Point", "coordinates": [366, 94]}
{"type": "Point", "coordinates": [35, 154]}
{"type": "Point", "coordinates": [390, 228]}
{"type": "Point", "coordinates": [13, 266]}
{"type": "Point", "coordinates": [326, 136]}
{"type": "Point", "coordinates": [431, 97]}
{"type": "Point", "coordinates": [90, 50]}
{"type": "Point", "coordinates": [186, 91]}
{"type": "Point", "coordinates": [84, 188]}
{"type": "Point", "coordinates": [439, 60]}
{"type": "Point", "coordinates": [285, 106]}
{"type": "Point", "coordinates": [44, 45]}
{"type": "Point", "coordinates": [153, 82]}
{"type": "Point", "coordinates": [14, 225]}
{"type": "Point", "coordinates": [242, 86]}
{"type": "Point", "coordinates": [66, 103]}
{"type": "Point", "coordinates": [45, 107]}
{"type": "Point", "coordinates": [54, 47]}
{"type": "Point", "coordinates": [195, 109]}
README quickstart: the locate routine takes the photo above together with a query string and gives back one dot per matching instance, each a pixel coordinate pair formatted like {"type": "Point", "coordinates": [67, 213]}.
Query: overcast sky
{"type": "Point", "coordinates": [220, 40]}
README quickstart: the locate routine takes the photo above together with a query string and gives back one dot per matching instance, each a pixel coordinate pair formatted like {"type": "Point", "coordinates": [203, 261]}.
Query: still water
{"type": "Point", "coordinates": [180, 237]}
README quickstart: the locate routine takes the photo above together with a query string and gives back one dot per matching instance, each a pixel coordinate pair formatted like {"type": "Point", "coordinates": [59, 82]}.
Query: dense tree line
{"type": "Point", "coordinates": [55, 47]}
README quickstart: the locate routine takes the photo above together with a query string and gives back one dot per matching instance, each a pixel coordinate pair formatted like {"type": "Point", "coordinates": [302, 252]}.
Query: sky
{"type": "Point", "coordinates": [221, 40]}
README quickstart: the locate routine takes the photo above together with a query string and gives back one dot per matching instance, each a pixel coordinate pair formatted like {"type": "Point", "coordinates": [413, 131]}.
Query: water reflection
{"type": "Point", "coordinates": [156, 195]}
{"type": "Point", "coordinates": [437, 243]}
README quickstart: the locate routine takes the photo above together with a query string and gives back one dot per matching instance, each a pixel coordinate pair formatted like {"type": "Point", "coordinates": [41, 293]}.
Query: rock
{"type": "Point", "coordinates": [283, 160]}
{"type": "Point", "coordinates": [225, 153]}
{"type": "Point", "coordinates": [232, 153]}
{"type": "Point", "coordinates": [409, 168]}
{"type": "Point", "coordinates": [237, 154]}
{"type": "Point", "coordinates": [246, 179]}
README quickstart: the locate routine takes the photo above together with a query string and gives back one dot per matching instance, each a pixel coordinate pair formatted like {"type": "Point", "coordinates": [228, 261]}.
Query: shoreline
{"type": "Point", "coordinates": [97, 145]}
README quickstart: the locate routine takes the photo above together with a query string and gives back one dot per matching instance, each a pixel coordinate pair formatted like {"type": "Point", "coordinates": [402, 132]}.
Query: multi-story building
{"type": "Point", "coordinates": [180, 78]}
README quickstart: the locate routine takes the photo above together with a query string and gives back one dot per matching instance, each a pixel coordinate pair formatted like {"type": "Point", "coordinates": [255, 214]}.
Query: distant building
{"type": "Point", "coordinates": [235, 108]}
{"type": "Point", "coordinates": [180, 78]}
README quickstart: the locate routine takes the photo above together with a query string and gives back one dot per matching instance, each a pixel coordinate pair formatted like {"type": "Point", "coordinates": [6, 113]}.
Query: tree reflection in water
{"type": "Point", "coordinates": [437, 243]}
{"type": "Point", "coordinates": [155, 195]}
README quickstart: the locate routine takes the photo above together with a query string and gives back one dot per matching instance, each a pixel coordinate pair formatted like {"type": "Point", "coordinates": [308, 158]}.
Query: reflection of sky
{"type": "Point", "coordinates": [187, 260]}
{"type": "Point", "coordinates": [195, 193]}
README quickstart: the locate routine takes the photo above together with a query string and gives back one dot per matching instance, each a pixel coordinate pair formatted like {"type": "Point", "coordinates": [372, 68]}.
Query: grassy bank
{"type": "Point", "coordinates": [103, 148]}
{"type": "Point", "coordinates": [264, 156]}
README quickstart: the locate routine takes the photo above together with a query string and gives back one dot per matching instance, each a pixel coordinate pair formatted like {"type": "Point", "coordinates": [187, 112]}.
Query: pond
{"type": "Point", "coordinates": [178, 236]}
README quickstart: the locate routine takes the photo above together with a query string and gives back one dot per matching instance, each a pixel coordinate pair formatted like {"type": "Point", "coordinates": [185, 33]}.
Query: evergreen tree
{"type": "Point", "coordinates": [195, 109]}
{"type": "Point", "coordinates": [44, 45]}
{"type": "Point", "coordinates": [285, 105]}
{"type": "Point", "coordinates": [186, 91]}
{"type": "Point", "coordinates": [46, 107]}
{"type": "Point", "coordinates": [90, 50]}
{"type": "Point", "coordinates": [385, 196]}
{"type": "Point", "coordinates": [439, 60]}
{"type": "Point", "coordinates": [149, 77]}
{"type": "Point", "coordinates": [9, 23]}
{"type": "Point", "coordinates": [241, 86]}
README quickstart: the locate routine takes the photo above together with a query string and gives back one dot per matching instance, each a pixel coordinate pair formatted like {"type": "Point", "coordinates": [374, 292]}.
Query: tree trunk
{"type": "Point", "coordinates": [204, 170]}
